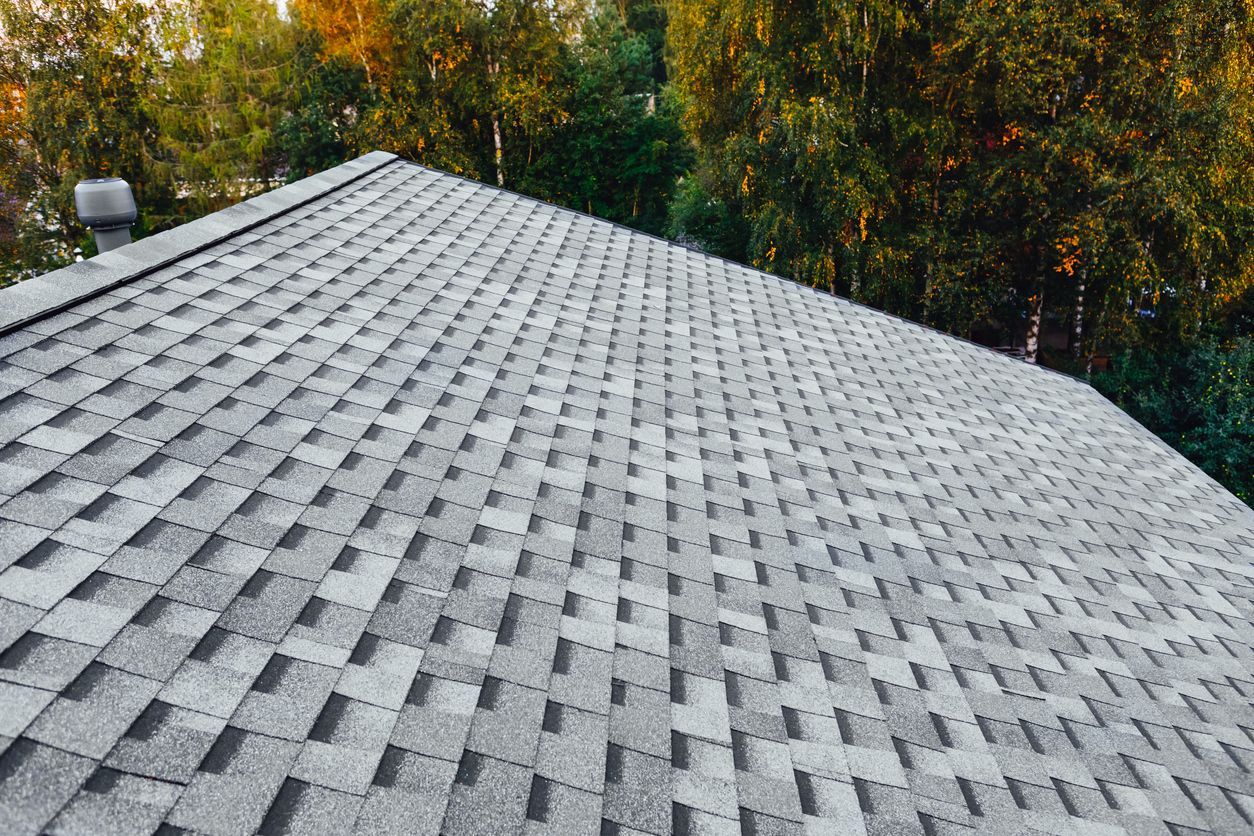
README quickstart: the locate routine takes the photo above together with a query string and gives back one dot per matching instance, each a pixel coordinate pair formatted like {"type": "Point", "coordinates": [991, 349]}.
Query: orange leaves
{"type": "Point", "coordinates": [12, 98]}
{"type": "Point", "coordinates": [761, 28]}
{"type": "Point", "coordinates": [354, 30]}
{"type": "Point", "coordinates": [1184, 87]}
{"type": "Point", "coordinates": [1069, 253]}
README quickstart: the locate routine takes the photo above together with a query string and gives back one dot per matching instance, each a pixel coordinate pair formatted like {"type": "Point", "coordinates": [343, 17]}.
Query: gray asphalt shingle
{"type": "Point", "coordinates": [398, 501]}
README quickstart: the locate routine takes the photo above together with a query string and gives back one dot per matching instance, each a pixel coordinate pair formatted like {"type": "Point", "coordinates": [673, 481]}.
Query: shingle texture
{"type": "Point", "coordinates": [426, 507]}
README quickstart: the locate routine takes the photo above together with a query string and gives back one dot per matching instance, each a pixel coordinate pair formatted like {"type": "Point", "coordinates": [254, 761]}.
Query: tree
{"type": "Point", "coordinates": [518, 46]}
{"type": "Point", "coordinates": [423, 105]}
{"type": "Point", "coordinates": [223, 95]}
{"type": "Point", "coordinates": [698, 218]}
{"type": "Point", "coordinates": [1199, 399]}
{"type": "Point", "coordinates": [75, 76]}
{"type": "Point", "coordinates": [1079, 146]}
{"type": "Point", "coordinates": [327, 99]}
{"type": "Point", "coordinates": [615, 151]}
{"type": "Point", "coordinates": [797, 114]}
{"type": "Point", "coordinates": [356, 32]}
{"type": "Point", "coordinates": [534, 94]}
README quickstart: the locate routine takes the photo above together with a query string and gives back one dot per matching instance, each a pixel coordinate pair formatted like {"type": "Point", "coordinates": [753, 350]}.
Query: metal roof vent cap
{"type": "Point", "coordinates": [106, 206]}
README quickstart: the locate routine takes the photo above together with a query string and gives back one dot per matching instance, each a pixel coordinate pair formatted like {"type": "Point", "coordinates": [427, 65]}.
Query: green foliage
{"type": "Point", "coordinates": [793, 108]}
{"type": "Point", "coordinates": [327, 99]}
{"type": "Point", "coordinates": [475, 79]}
{"type": "Point", "coordinates": [223, 95]}
{"type": "Point", "coordinates": [74, 77]}
{"type": "Point", "coordinates": [201, 103]}
{"type": "Point", "coordinates": [1089, 149]}
{"type": "Point", "coordinates": [27, 248]}
{"type": "Point", "coordinates": [699, 218]}
{"type": "Point", "coordinates": [431, 102]}
{"type": "Point", "coordinates": [616, 152]}
{"type": "Point", "coordinates": [648, 19]}
{"type": "Point", "coordinates": [952, 162]}
{"type": "Point", "coordinates": [1199, 400]}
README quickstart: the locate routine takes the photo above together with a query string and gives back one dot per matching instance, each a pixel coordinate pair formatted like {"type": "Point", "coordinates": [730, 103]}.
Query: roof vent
{"type": "Point", "coordinates": [107, 207]}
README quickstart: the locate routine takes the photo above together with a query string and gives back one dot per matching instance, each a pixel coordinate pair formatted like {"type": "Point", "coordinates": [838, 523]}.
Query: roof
{"type": "Point", "coordinates": [392, 500]}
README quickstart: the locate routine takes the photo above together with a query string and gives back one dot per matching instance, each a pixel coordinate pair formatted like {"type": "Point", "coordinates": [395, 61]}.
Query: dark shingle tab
{"type": "Point", "coordinates": [393, 501]}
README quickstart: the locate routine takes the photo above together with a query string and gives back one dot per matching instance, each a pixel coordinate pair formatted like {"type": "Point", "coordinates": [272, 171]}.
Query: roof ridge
{"type": "Point", "coordinates": [51, 293]}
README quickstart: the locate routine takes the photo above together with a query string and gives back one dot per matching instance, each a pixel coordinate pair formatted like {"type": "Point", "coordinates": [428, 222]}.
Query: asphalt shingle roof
{"type": "Point", "coordinates": [398, 502]}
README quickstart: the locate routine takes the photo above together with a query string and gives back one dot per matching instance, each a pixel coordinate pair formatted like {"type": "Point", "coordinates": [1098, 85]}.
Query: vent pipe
{"type": "Point", "coordinates": [107, 207]}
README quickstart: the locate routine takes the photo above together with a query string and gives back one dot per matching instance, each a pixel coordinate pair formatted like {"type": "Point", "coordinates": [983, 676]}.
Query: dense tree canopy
{"type": "Point", "coordinates": [1074, 180]}
{"type": "Point", "coordinates": [984, 161]}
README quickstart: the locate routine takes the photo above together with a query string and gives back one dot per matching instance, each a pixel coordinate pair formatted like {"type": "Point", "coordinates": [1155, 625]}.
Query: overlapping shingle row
{"type": "Point", "coordinates": [425, 507]}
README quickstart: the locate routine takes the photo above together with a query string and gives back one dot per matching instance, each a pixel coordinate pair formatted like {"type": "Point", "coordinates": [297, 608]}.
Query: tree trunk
{"type": "Point", "coordinates": [1077, 325]}
{"type": "Point", "coordinates": [496, 142]}
{"type": "Point", "coordinates": [494, 72]}
{"type": "Point", "coordinates": [1033, 339]}
{"type": "Point", "coordinates": [929, 269]}
{"type": "Point", "coordinates": [361, 51]}
{"type": "Point", "coordinates": [829, 255]}
{"type": "Point", "coordinates": [866, 49]}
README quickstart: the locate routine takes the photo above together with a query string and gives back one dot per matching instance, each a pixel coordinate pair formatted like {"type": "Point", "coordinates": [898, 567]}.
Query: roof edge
{"type": "Point", "coordinates": [51, 293]}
